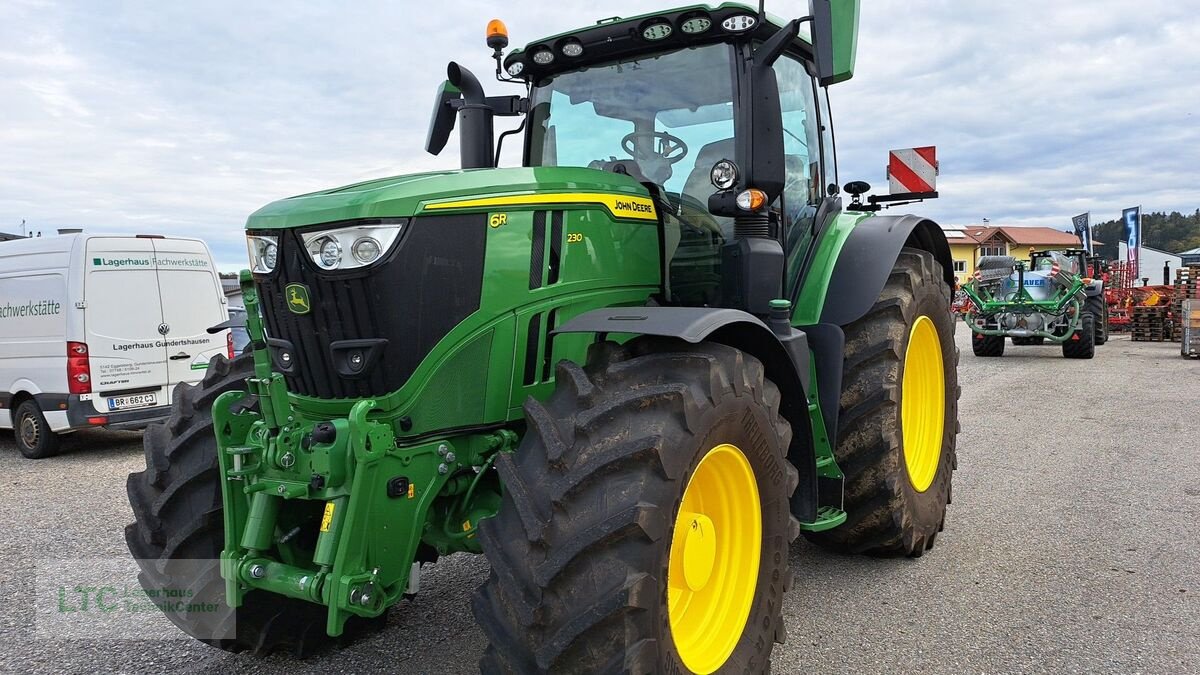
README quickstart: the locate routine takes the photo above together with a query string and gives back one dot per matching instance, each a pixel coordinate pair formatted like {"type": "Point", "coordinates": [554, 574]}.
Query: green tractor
{"type": "Point", "coordinates": [630, 372]}
{"type": "Point", "coordinates": [1052, 298]}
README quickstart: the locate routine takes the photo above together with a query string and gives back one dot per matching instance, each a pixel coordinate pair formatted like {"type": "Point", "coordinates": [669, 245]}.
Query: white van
{"type": "Point", "coordinates": [96, 330]}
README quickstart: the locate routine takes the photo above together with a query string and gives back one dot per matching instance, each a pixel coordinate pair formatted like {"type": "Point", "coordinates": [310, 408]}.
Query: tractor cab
{"type": "Point", "coordinates": [668, 120]}
{"type": "Point", "coordinates": [720, 113]}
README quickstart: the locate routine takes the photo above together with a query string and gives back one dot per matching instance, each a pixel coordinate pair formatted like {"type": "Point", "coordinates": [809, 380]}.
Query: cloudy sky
{"type": "Point", "coordinates": [182, 118]}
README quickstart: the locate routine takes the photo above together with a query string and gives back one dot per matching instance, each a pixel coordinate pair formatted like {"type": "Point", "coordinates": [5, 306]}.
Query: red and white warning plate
{"type": "Point", "coordinates": [912, 170]}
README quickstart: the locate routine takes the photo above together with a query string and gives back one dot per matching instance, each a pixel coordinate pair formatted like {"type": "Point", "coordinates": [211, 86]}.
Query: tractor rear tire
{"type": "Point", "coordinates": [1099, 311]}
{"type": "Point", "coordinates": [178, 533]}
{"type": "Point", "coordinates": [896, 488]}
{"type": "Point", "coordinates": [586, 551]}
{"type": "Point", "coordinates": [987, 345]}
{"type": "Point", "coordinates": [1082, 345]}
{"type": "Point", "coordinates": [32, 433]}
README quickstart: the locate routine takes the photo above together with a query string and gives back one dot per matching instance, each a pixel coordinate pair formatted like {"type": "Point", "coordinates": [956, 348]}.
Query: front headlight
{"type": "Point", "coordinates": [352, 247]}
{"type": "Point", "coordinates": [329, 253]}
{"type": "Point", "coordinates": [724, 174]}
{"type": "Point", "coordinates": [366, 250]}
{"type": "Point", "coordinates": [264, 252]}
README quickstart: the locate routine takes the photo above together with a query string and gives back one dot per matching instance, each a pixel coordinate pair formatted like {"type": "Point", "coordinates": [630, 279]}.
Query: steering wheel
{"type": "Point", "coordinates": [668, 148]}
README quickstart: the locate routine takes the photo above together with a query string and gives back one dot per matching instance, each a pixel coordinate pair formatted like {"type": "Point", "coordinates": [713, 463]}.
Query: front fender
{"type": "Point", "coordinates": [785, 360]}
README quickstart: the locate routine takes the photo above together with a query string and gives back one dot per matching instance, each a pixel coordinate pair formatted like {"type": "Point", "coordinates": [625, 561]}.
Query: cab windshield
{"type": "Point", "coordinates": [663, 119]}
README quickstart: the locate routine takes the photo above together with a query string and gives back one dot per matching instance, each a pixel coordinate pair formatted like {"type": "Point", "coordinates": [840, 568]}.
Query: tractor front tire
{"type": "Point", "coordinates": [1082, 345]}
{"type": "Point", "coordinates": [178, 533]}
{"type": "Point", "coordinates": [898, 416]}
{"type": "Point", "coordinates": [987, 345]}
{"type": "Point", "coordinates": [646, 523]}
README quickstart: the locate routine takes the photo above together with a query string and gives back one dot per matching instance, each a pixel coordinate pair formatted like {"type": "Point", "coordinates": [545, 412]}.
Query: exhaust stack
{"type": "Point", "coordinates": [476, 142]}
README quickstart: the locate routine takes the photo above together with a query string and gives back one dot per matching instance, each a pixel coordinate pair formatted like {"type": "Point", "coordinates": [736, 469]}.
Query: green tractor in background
{"type": "Point", "coordinates": [1054, 297]}
{"type": "Point", "coordinates": [630, 372]}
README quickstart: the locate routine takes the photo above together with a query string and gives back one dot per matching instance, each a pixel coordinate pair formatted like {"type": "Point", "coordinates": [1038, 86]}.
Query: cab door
{"type": "Point", "coordinates": [191, 298]}
{"type": "Point", "coordinates": [802, 146]}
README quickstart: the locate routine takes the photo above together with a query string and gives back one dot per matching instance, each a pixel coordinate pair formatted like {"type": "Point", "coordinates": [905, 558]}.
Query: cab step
{"type": "Point", "coordinates": [828, 517]}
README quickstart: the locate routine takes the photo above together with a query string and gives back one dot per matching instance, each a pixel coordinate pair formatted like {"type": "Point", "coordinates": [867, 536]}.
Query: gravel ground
{"type": "Point", "coordinates": [1074, 552]}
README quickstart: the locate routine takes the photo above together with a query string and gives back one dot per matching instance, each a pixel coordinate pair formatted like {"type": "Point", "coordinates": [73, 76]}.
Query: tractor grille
{"type": "Point", "coordinates": [423, 288]}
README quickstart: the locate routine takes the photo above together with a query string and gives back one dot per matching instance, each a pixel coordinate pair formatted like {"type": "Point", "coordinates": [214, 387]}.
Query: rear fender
{"type": "Point", "coordinates": [21, 390]}
{"type": "Point", "coordinates": [786, 364]}
{"type": "Point", "coordinates": [24, 386]}
{"type": "Point", "coordinates": [866, 259]}
{"type": "Point", "coordinates": [862, 261]}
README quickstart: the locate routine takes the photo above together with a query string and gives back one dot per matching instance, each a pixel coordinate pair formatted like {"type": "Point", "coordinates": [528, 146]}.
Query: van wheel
{"type": "Point", "coordinates": [34, 438]}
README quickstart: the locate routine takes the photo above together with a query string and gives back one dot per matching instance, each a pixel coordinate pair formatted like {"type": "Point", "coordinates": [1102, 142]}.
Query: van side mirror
{"type": "Point", "coordinates": [441, 123]}
{"type": "Point", "coordinates": [834, 39]}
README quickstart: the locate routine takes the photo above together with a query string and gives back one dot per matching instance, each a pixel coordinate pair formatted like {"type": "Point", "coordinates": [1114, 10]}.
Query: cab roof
{"type": "Point", "coordinates": [616, 37]}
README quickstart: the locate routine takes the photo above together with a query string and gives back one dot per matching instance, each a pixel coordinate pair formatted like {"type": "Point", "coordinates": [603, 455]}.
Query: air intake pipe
{"type": "Point", "coordinates": [476, 142]}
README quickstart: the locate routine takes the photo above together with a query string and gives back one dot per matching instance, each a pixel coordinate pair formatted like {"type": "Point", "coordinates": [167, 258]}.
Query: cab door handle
{"type": "Point", "coordinates": [179, 356]}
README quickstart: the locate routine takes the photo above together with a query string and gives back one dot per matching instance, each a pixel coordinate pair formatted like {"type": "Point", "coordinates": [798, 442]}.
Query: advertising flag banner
{"type": "Point", "coordinates": [1083, 229]}
{"type": "Point", "coordinates": [1133, 236]}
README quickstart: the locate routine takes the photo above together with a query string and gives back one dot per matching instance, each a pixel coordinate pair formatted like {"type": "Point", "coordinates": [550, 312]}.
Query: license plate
{"type": "Point", "coordinates": [133, 401]}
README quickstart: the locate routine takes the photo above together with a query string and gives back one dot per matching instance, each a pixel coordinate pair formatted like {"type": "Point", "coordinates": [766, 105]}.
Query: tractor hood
{"type": "Point", "coordinates": [403, 196]}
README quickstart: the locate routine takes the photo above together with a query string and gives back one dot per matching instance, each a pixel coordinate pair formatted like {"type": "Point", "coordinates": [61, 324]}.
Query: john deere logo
{"type": "Point", "coordinates": [297, 298]}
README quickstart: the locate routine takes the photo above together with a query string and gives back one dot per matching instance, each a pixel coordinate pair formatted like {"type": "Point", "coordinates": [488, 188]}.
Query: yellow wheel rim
{"type": "Point", "coordinates": [713, 565]}
{"type": "Point", "coordinates": [923, 403]}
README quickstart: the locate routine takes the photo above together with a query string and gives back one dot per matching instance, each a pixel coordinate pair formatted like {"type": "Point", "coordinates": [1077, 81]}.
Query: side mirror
{"type": "Point", "coordinates": [441, 123]}
{"type": "Point", "coordinates": [858, 188]}
{"type": "Point", "coordinates": [834, 39]}
{"type": "Point", "coordinates": [761, 154]}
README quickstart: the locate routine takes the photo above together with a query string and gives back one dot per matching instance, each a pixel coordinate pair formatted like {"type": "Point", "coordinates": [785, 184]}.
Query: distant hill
{"type": "Point", "coordinates": [1172, 232]}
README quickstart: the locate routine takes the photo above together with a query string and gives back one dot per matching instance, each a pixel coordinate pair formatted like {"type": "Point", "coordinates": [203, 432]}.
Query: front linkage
{"type": "Point", "coordinates": [371, 503]}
